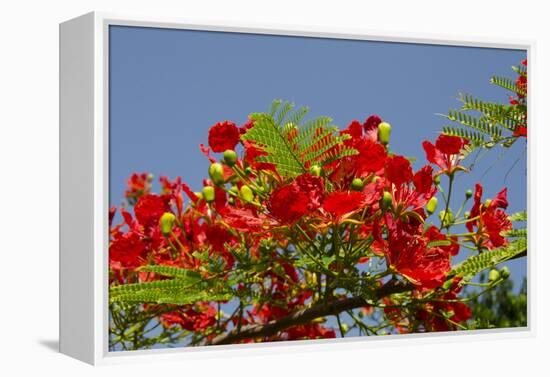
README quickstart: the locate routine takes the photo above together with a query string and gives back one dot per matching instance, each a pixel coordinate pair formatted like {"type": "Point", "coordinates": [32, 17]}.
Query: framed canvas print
{"type": "Point", "coordinates": [234, 187]}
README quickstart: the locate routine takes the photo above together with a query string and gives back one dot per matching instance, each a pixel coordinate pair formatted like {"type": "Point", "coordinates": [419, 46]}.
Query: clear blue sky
{"type": "Point", "coordinates": [167, 87]}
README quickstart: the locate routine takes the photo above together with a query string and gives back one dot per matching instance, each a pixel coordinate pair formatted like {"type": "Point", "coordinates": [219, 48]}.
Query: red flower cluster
{"type": "Point", "coordinates": [287, 232]}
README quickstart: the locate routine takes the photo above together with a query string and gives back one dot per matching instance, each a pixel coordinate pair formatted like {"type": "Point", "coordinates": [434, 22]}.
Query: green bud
{"type": "Point", "coordinates": [469, 194]}
{"type": "Point", "coordinates": [466, 214]}
{"type": "Point", "coordinates": [234, 190]}
{"type": "Point", "coordinates": [166, 222]}
{"type": "Point", "coordinates": [446, 218]}
{"type": "Point", "coordinates": [315, 170]}
{"type": "Point", "coordinates": [357, 184]}
{"type": "Point", "coordinates": [505, 272]}
{"type": "Point", "coordinates": [487, 202]}
{"type": "Point", "coordinates": [248, 170]}
{"type": "Point", "coordinates": [494, 275]}
{"type": "Point", "coordinates": [344, 328]}
{"type": "Point", "coordinates": [431, 205]}
{"type": "Point", "coordinates": [386, 200]}
{"type": "Point", "coordinates": [247, 194]}
{"type": "Point", "coordinates": [230, 157]}
{"type": "Point", "coordinates": [216, 173]}
{"type": "Point", "coordinates": [198, 194]}
{"type": "Point", "coordinates": [360, 314]}
{"type": "Point", "coordinates": [437, 179]}
{"type": "Point", "coordinates": [384, 130]}
{"type": "Point", "coordinates": [209, 193]}
{"type": "Point", "coordinates": [150, 177]}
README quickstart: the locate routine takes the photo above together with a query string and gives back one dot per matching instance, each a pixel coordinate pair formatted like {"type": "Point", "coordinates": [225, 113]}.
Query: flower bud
{"type": "Point", "coordinates": [446, 217]}
{"type": "Point", "coordinates": [431, 205]}
{"type": "Point", "coordinates": [505, 272]}
{"type": "Point", "coordinates": [247, 194]}
{"type": "Point", "coordinates": [494, 275]}
{"type": "Point", "coordinates": [357, 184]}
{"type": "Point", "coordinates": [437, 180]}
{"type": "Point", "coordinates": [386, 200]}
{"type": "Point", "coordinates": [166, 222]}
{"type": "Point", "coordinates": [150, 177]}
{"type": "Point", "coordinates": [230, 157]}
{"type": "Point", "coordinates": [234, 190]}
{"type": "Point", "coordinates": [487, 203]}
{"type": "Point", "coordinates": [209, 193]}
{"type": "Point", "coordinates": [315, 170]}
{"type": "Point", "coordinates": [216, 173]}
{"type": "Point", "coordinates": [344, 327]}
{"type": "Point", "coordinates": [469, 194]}
{"type": "Point", "coordinates": [466, 214]}
{"type": "Point", "coordinates": [384, 130]}
{"type": "Point", "coordinates": [198, 194]}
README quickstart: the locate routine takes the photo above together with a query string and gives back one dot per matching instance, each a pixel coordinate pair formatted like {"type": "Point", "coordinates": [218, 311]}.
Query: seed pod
{"type": "Point", "coordinates": [209, 193]}
{"type": "Point", "coordinates": [469, 194]}
{"type": "Point", "coordinates": [386, 200]}
{"type": "Point", "coordinates": [494, 275]}
{"type": "Point", "coordinates": [166, 222]}
{"type": "Point", "coordinates": [247, 195]}
{"type": "Point", "coordinates": [505, 272]}
{"type": "Point", "coordinates": [357, 184]}
{"type": "Point", "coordinates": [216, 173]}
{"type": "Point", "coordinates": [315, 170]}
{"type": "Point", "coordinates": [431, 205]}
{"type": "Point", "coordinates": [384, 130]}
{"type": "Point", "coordinates": [230, 157]}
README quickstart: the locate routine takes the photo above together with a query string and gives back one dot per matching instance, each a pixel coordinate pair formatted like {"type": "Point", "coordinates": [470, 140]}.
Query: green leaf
{"type": "Point", "coordinates": [174, 272]}
{"type": "Point", "coordinates": [518, 216]}
{"type": "Point", "coordinates": [293, 147]}
{"type": "Point", "coordinates": [490, 258]}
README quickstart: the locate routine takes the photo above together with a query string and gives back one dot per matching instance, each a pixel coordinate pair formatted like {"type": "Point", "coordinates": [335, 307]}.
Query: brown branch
{"type": "Point", "coordinates": [306, 315]}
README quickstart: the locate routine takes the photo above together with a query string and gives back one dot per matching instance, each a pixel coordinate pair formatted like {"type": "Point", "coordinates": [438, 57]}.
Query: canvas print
{"type": "Point", "coordinates": [268, 188]}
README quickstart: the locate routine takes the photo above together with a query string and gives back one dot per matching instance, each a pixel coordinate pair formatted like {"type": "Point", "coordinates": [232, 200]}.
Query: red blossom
{"type": "Point", "coordinates": [445, 153]}
{"type": "Point", "coordinates": [340, 203]}
{"type": "Point", "coordinates": [126, 250]}
{"type": "Point", "coordinates": [289, 203]}
{"type": "Point", "coordinates": [398, 170]}
{"type": "Point", "coordinates": [150, 208]}
{"type": "Point", "coordinates": [223, 135]}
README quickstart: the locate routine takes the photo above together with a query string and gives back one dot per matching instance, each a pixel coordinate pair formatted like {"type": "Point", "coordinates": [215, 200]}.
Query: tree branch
{"type": "Point", "coordinates": [306, 315]}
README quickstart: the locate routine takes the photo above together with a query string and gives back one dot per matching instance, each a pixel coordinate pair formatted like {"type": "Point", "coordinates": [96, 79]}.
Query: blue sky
{"type": "Point", "coordinates": [167, 87]}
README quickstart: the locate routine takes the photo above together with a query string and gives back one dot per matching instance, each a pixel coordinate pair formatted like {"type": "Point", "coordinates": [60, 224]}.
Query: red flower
{"type": "Point", "coordinates": [340, 203]}
{"type": "Point", "coordinates": [398, 170]}
{"type": "Point", "coordinates": [407, 252]}
{"type": "Point", "coordinates": [371, 157]}
{"type": "Point", "coordinates": [423, 179]}
{"type": "Point", "coordinates": [245, 219]}
{"type": "Point", "coordinates": [223, 136]}
{"type": "Point", "coordinates": [289, 203]}
{"type": "Point", "coordinates": [490, 219]}
{"type": "Point", "coordinates": [126, 250]}
{"type": "Point", "coordinates": [150, 208]}
{"type": "Point", "coordinates": [445, 153]}
{"type": "Point", "coordinates": [138, 185]}
{"type": "Point", "coordinates": [371, 127]}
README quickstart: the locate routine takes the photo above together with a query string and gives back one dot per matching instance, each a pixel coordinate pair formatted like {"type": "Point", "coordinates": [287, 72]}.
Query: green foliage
{"type": "Point", "coordinates": [490, 258]}
{"type": "Point", "coordinates": [519, 216]}
{"type": "Point", "coordinates": [499, 308]}
{"type": "Point", "coordinates": [293, 146]}
{"type": "Point", "coordinates": [187, 287]}
{"type": "Point", "coordinates": [484, 123]}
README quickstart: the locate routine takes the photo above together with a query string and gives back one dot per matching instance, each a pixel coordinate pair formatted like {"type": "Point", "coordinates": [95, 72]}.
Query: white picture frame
{"type": "Point", "coordinates": [84, 205]}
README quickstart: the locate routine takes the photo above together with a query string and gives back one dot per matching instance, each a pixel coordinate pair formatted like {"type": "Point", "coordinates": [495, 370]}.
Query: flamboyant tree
{"type": "Point", "coordinates": [305, 231]}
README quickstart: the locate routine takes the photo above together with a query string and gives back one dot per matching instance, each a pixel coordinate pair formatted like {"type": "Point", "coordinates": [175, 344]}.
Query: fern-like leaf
{"type": "Point", "coordinates": [293, 147]}
{"type": "Point", "coordinates": [487, 259]}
